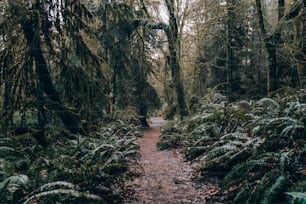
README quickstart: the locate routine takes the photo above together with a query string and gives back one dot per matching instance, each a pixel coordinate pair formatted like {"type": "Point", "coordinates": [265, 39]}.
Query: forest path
{"type": "Point", "coordinates": [166, 178]}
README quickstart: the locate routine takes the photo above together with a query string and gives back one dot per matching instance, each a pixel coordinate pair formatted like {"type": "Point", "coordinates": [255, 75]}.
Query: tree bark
{"type": "Point", "coordinates": [270, 44]}
{"type": "Point", "coordinates": [173, 45]}
{"type": "Point", "coordinates": [281, 9]}
{"type": "Point", "coordinates": [232, 72]}
{"type": "Point", "coordinates": [303, 45]}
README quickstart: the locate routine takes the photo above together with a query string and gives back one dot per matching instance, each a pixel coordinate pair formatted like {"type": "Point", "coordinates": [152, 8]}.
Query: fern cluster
{"type": "Point", "coordinates": [256, 148]}
{"type": "Point", "coordinates": [72, 169]}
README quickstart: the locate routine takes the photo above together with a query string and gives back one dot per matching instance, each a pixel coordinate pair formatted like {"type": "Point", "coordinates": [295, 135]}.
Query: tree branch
{"type": "Point", "coordinates": [149, 24]}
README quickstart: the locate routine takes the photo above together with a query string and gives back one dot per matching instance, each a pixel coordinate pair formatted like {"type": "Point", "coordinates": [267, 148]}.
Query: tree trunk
{"type": "Point", "coordinates": [31, 30]}
{"type": "Point", "coordinates": [281, 9]}
{"type": "Point", "coordinates": [173, 45]}
{"type": "Point", "coordinates": [303, 45]}
{"type": "Point", "coordinates": [270, 44]}
{"type": "Point", "coordinates": [232, 72]}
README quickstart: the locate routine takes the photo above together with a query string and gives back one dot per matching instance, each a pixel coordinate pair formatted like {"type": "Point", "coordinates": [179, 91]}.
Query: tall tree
{"type": "Point", "coordinates": [232, 61]}
{"type": "Point", "coordinates": [174, 46]}
{"type": "Point", "coordinates": [171, 31]}
{"type": "Point", "coordinates": [127, 52]}
{"type": "Point", "coordinates": [271, 42]}
{"type": "Point", "coordinates": [48, 61]}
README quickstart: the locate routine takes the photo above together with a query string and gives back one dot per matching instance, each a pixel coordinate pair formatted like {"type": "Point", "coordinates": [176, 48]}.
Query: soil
{"type": "Point", "coordinates": [166, 178]}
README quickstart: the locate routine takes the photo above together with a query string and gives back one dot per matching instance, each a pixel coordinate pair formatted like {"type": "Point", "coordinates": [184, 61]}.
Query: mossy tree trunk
{"type": "Point", "coordinates": [270, 42]}
{"type": "Point", "coordinates": [173, 45]}
{"type": "Point", "coordinates": [31, 29]}
{"type": "Point", "coordinates": [232, 66]}
{"type": "Point", "coordinates": [300, 41]}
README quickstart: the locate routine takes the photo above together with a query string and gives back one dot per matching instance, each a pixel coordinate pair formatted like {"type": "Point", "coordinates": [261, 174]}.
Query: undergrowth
{"type": "Point", "coordinates": [71, 169]}
{"type": "Point", "coordinates": [255, 148]}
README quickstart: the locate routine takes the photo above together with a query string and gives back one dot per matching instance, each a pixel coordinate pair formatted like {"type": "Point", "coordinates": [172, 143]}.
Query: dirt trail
{"type": "Point", "coordinates": [166, 177]}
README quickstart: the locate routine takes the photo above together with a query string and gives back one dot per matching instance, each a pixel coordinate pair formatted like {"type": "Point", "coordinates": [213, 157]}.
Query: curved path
{"type": "Point", "coordinates": [166, 178]}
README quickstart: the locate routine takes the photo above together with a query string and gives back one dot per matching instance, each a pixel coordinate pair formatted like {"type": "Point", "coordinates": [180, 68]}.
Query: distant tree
{"type": "Point", "coordinates": [272, 41]}
{"type": "Point", "coordinates": [127, 50]}
{"type": "Point", "coordinates": [172, 33]}
{"type": "Point", "coordinates": [223, 28]}
{"type": "Point", "coordinates": [235, 37]}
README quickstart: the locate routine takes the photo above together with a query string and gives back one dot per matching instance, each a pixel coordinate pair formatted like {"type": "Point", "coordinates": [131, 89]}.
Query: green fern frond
{"type": "Point", "coordinates": [255, 142]}
{"type": "Point", "coordinates": [13, 183]}
{"type": "Point", "coordinates": [6, 141]}
{"type": "Point", "coordinates": [268, 103]}
{"type": "Point", "coordinates": [234, 136]}
{"type": "Point", "coordinates": [130, 152]}
{"type": "Point", "coordinates": [291, 130]}
{"type": "Point", "coordinates": [279, 122]}
{"type": "Point", "coordinates": [63, 192]}
{"type": "Point", "coordinates": [204, 118]}
{"type": "Point", "coordinates": [261, 186]}
{"type": "Point", "coordinates": [299, 197]}
{"type": "Point", "coordinates": [275, 190]}
{"type": "Point", "coordinates": [19, 180]}
{"type": "Point", "coordinates": [243, 195]}
{"type": "Point", "coordinates": [285, 159]}
{"type": "Point", "coordinates": [240, 156]}
{"type": "Point", "coordinates": [9, 152]}
{"type": "Point", "coordinates": [193, 152]}
{"type": "Point", "coordinates": [220, 151]}
{"type": "Point", "coordinates": [56, 184]}
{"type": "Point", "coordinates": [104, 151]}
{"type": "Point", "coordinates": [202, 141]}
{"type": "Point", "coordinates": [237, 143]}
{"type": "Point", "coordinates": [114, 168]}
{"type": "Point", "coordinates": [239, 171]}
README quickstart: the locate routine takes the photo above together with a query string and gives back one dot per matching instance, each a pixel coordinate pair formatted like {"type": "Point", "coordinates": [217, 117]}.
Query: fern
{"type": "Point", "coordinates": [261, 186]}
{"type": "Point", "coordinates": [268, 103]}
{"type": "Point", "coordinates": [193, 152]}
{"type": "Point", "coordinates": [292, 130]}
{"type": "Point", "coordinates": [275, 190]}
{"type": "Point", "coordinates": [202, 141]}
{"type": "Point", "coordinates": [278, 123]}
{"type": "Point", "coordinates": [234, 136]}
{"type": "Point", "coordinates": [5, 141]}
{"type": "Point", "coordinates": [12, 184]}
{"type": "Point", "coordinates": [63, 192]}
{"type": "Point", "coordinates": [241, 170]}
{"type": "Point", "coordinates": [243, 154]}
{"type": "Point", "coordinates": [284, 159]}
{"type": "Point", "coordinates": [9, 153]}
{"type": "Point", "coordinates": [56, 184]}
{"type": "Point", "coordinates": [258, 147]}
{"type": "Point", "coordinates": [243, 195]}
{"type": "Point", "coordinates": [220, 151]}
{"type": "Point", "coordinates": [297, 197]}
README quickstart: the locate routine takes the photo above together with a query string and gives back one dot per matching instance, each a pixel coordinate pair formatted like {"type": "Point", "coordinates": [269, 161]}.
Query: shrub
{"type": "Point", "coordinates": [72, 168]}
{"type": "Point", "coordinates": [257, 149]}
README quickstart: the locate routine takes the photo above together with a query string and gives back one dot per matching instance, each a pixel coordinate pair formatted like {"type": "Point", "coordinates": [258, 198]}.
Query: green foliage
{"type": "Point", "coordinates": [256, 148]}
{"type": "Point", "coordinates": [72, 169]}
{"type": "Point", "coordinates": [275, 190]}
{"type": "Point", "coordinates": [11, 186]}
{"type": "Point", "coordinates": [297, 192]}
{"type": "Point", "coordinates": [297, 197]}
{"type": "Point", "coordinates": [172, 135]}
